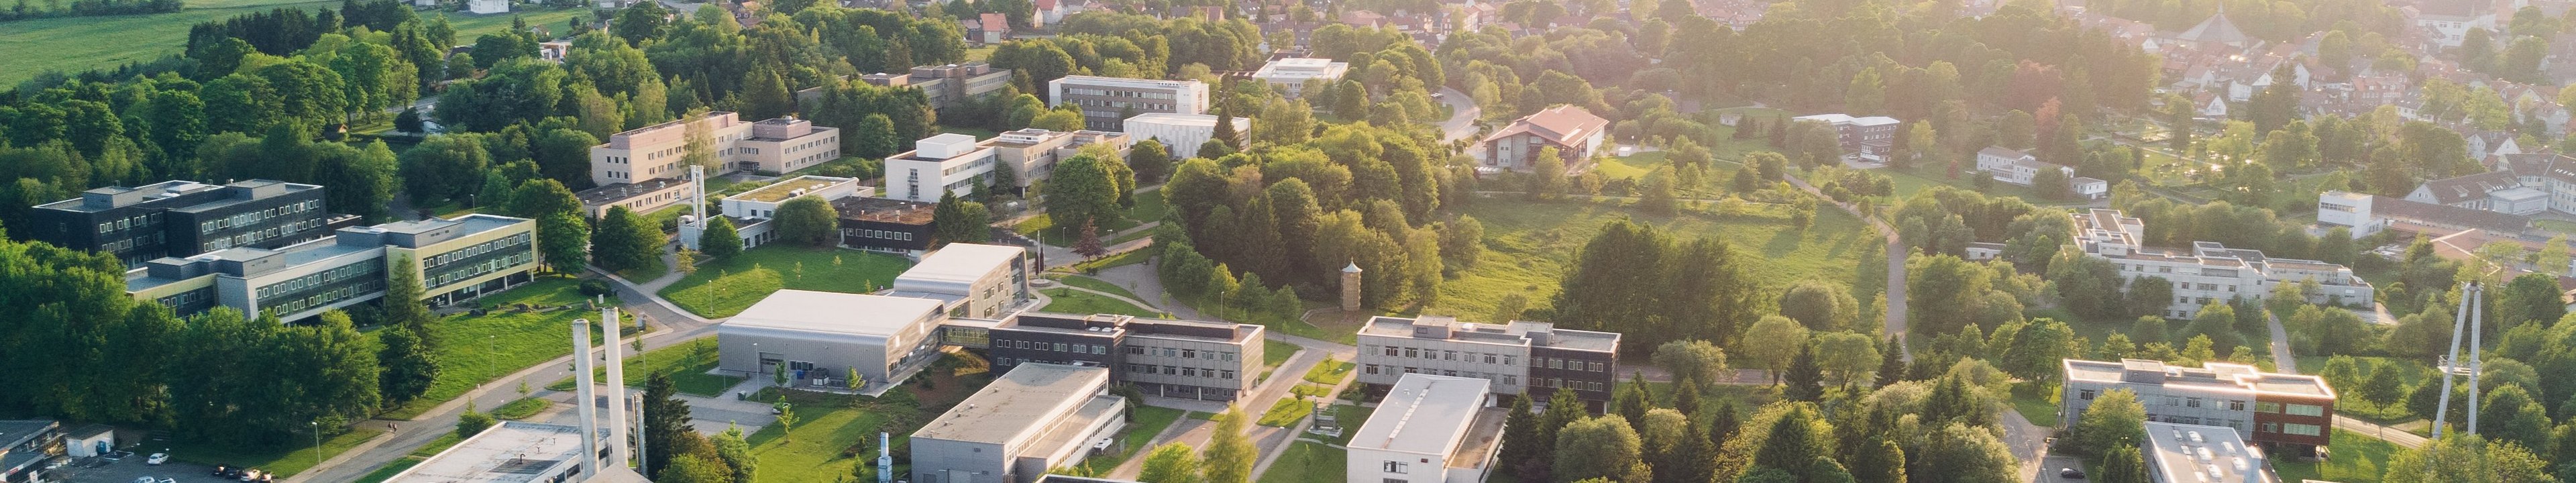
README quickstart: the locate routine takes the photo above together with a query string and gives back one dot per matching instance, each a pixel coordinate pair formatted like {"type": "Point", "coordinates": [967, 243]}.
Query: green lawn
{"type": "Point", "coordinates": [2560, 226]}
{"type": "Point", "coordinates": [1329, 372]}
{"type": "Point", "coordinates": [2031, 400]}
{"type": "Point", "coordinates": [284, 461]}
{"type": "Point", "coordinates": [1530, 245]}
{"type": "Point", "coordinates": [832, 425]}
{"type": "Point", "coordinates": [1072, 301]}
{"type": "Point", "coordinates": [1350, 417]}
{"type": "Point", "coordinates": [1098, 284]}
{"type": "Point", "coordinates": [1149, 207]}
{"type": "Point", "coordinates": [474, 350]}
{"type": "Point", "coordinates": [726, 287]}
{"type": "Point", "coordinates": [1274, 353]}
{"type": "Point", "coordinates": [653, 269]}
{"type": "Point", "coordinates": [1286, 412]}
{"type": "Point", "coordinates": [1130, 257]}
{"type": "Point", "coordinates": [2358, 458]}
{"type": "Point", "coordinates": [434, 447]}
{"type": "Point", "coordinates": [1146, 422]}
{"type": "Point", "coordinates": [77, 44]}
{"type": "Point", "coordinates": [687, 362]}
{"type": "Point", "coordinates": [522, 408]}
{"type": "Point", "coordinates": [1309, 462]}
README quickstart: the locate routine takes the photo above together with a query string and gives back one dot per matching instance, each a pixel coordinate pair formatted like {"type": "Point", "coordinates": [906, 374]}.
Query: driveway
{"type": "Point", "coordinates": [1462, 120]}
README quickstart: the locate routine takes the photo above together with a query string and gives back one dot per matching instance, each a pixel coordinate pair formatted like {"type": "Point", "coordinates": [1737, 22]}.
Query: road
{"type": "Point", "coordinates": [2282, 360]}
{"type": "Point", "coordinates": [1897, 252]}
{"type": "Point", "coordinates": [672, 326]}
{"type": "Point", "coordinates": [1462, 120]}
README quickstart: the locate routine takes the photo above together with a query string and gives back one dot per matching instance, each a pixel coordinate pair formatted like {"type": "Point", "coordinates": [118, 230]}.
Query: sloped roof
{"type": "Point", "coordinates": [2217, 29]}
{"type": "Point", "coordinates": [2465, 188]}
{"type": "Point", "coordinates": [1562, 124]}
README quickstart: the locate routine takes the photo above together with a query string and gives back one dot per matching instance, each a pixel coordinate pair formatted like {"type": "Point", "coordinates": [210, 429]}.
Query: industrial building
{"type": "Point", "coordinates": [1181, 134]}
{"type": "Point", "coordinates": [825, 335]}
{"type": "Point", "coordinates": [2192, 453]}
{"type": "Point", "coordinates": [937, 165]}
{"type": "Point", "coordinates": [1518, 358]}
{"type": "Point", "coordinates": [2209, 272]}
{"type": "Point", "coordinates": [1035, 417]}
{"type": "Point", "coordinates": [1290, 75]}
{"type": "Point", "coordinates": [751, 212]}
{"type": "Point", "coordinates": [659, 151]}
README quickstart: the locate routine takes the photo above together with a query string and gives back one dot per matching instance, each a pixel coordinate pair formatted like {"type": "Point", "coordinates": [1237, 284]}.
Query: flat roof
{"type": "Point", "coordinates": [1018, 403]}
{"type": "Point", "coordinates": [1128, 83]}
{"type": "Point", "coordinates": [2207, 454]}
{"type": "Point", "coordinates": [776, 192]}
{"type": "Point", "coordinates": [962, 262]}
{"type": "Point", "coordinates": [510, 452]}
{"type": "Point", "coordinates": [889, 210]}
{"type": "Point", "coordinates": [1177, 119]}
{"type": "Point", "coordinates": [619, 191]}
{"type": "Point", "coordinates": [255, 185]}
{"type": "Point", "coordinates": [835, 312]}
{"type": "Point", "coordinates": [15, 431]}
{"type": "Point", "coordinates": [1423, 413]}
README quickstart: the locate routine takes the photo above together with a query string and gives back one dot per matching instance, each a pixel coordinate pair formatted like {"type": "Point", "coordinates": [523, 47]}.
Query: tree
{"type": "Point", "coordinates": [1820, 305]}
{"type": "Point", "coordinates": [2467, 459]}
{"type": "Point", "coordinates": [2382, 387]}
{"type": "Point", "coordinates": [1547, 174]}
{"type": "Point", "coordinates": [1849, 356]}
{"type": "Point", "coordinates": [1961, 453]}
{"type": "Point", "coordinates": [1696, 361]}
{"type": "Point", "coordinates": [1780, 341]}
{"type": "Point", "coordinates": [1086, 242]}
{"type": "Point", "coordinates": [1082, 192]}
{"type": "Point", "coordinates": [1521, 442]}
{"type": "Point", "coordinates": [720, 240]}
{"type": "Point", "coordinates": [402, 306]}
{"type": "Point", "coordinates": [666, 421]}
{"type": "Point", "coordinates": [1631, 401]}
{"type": "Point", "coordinates": [1229, 456]}
{"type": "Point", "coordinates": [956, 220]}
{"type": "Point", "coordinates": [2148, 297]}
{"type": "Point", "coordinates": [624, 241]}
{"type": "Point", "coordinates": [786, 413]}
{"type": "Point", "coordinates": [1170, 463]}
{"type": "Point", "coordinates": [696, 468]}
{"type": "Point", "coordinates": [1891, 361]}
{"type": "Point", "coordinates": [1599, 447]}
{"type": "Point", "coordinates": [736, 454]}
{"type": "Point", "coordinates": [473, 422]}
{"type": "Point", "coordinates": [2124, 465]}
{"type": "Point", "coordinates": [1150, 159]}
{"type": "Point", "coordinates": [2111, 422]}
{"type": "Point", "coordinates": [1806, 380]}
{"type": "Point", "coordinates": [408, 368]}
{"type": "Point", "coordinates": [768, 95]}
{"type": "Point", "coordinates": [2530, 297]}
{"type": "Point", "coordinates": [808, 220]}
{"type": "Point", "coordinates": [2510, 415]}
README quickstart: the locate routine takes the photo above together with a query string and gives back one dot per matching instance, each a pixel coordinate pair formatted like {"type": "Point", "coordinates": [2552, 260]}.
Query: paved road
{"type": "Point", "coordinates": [1462, 120]}
{"type": "Point", "coordinates": [2282, 359]}
{"type": "Point", "coordinates": [2394, 436]}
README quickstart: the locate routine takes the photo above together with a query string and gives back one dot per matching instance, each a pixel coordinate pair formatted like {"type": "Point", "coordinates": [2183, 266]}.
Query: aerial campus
{"type": "Point", "coordinates": [1373, 241]}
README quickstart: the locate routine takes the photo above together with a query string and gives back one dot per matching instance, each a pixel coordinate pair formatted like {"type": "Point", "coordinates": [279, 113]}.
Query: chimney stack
{"type": "Point", "coordinates": [617, 420]}
{"type": "Point", "coordinates": [582, 395]}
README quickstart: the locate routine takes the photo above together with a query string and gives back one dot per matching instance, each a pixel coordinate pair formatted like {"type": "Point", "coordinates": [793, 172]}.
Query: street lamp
{"type": "Point", "coordinates": [317, 442]}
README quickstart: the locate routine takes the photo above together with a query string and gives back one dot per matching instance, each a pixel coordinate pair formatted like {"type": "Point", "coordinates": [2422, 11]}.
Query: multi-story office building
{"type": "Point", "coordinates": [947, 85]}
{"type": "Point", "coordinates": [1432, 429]}
{"type": "Point", "coordinates": [1107, 102]}
{"type": "Point", "coordinates": [2208, 272]}
{"type": "Point", "coordinates": [885, 225]}
{"type": "Point", "coordinates": [1214, 361]}
{"type": "Point", "coordinates": [1291, 74]}
{"type": "Point", "coordinates": [182, 218]}
{"type": "Point", "coordinates": [2192, 453]}
{"type": "Point", "coordinates": [951, 162]}
{"type": "Point", "coordinates": [1035, 417]}
{"type": "Point", "coordinates": [1031, 154]}
{"type": "Point", "coordinates": [978, 281]}
{"type": "Point", "coordinates": [454, 260]}
{"type": "Point", "coordinates": [1520, 358]}
{"type": "Point", "coordinates": [656, 151]}
{"type": "Point", "coordinates": [2291, 413]}
{"type": "Point", "coordinates": [1181, 134]}
{"type": "Point", "coordinates": [1867, 138]}
{"type": "Point", "coordinates": [751, 211]}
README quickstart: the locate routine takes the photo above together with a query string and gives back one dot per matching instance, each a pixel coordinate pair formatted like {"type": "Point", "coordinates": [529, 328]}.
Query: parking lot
{"type": "Point", "coordinates": [132, 467]}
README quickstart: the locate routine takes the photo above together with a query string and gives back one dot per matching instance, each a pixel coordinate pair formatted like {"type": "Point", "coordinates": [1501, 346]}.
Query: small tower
{"type": "Point", "coordinates": [1351, 287]}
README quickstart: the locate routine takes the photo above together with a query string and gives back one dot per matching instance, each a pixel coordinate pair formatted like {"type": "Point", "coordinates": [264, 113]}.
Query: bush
{"type": "Point", "coordinates": [595, 287]}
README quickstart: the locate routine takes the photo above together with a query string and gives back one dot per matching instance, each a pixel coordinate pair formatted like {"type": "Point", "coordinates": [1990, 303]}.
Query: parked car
{"type": "Point", "coordinates": [253, 474]}
{"type": "Point", "coordinates": [227, 471]}
{"type": "Point", "coordinates": [169, 480]}
{"type": "Point", "coordinates": [2070, 473]}
{"type": "Point", "coordinates": [145, 479]}
{"type": "Point", "coordinates": [157, 458]}
{"type": "Point", "coordinates": [116, 455]}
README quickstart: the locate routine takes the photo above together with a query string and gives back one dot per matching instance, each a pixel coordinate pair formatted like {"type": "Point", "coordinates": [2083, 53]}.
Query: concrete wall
{"type": "Point", "coordinates": [740, 348]}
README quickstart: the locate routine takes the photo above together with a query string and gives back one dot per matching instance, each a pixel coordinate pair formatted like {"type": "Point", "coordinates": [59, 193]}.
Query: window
{"type": "Point", "coordinates": [2306, 410]}
{"type": "Point", "coordinates": [1412, 352]}
{"type": "Point", "coordinates": [1371, 368]}
{"type": "Point", "coordinates": [2236, 405]}
{"type": "Point", "coordinates": [2084, 394]}
{"type": "Point", "coordinates": [1449, 355]}
{"type": "Point", "coordinates": [2267, 407]}
{"type": "Point", "coordinates": [2302, 429]}
{"type": "Point", "coordinates": [1392, 467]}
{"type": "Point", "coordinates": [1390, 351]}
{"type": "Point", "coordinates": [2191, 402]}
{"type": "Point", "coordinates": [1511, 379]}
{"type": "Point", "coordinates": [1189, 353]}
{"type": "Point", "coordinates": [1228, 374]}
{"type": "Point", "coordinates": [2271, 427]}
{"type": "Point", "coordinates": [1190, 371]}
{"type": "Point", "coordinates": [1059, 347]}
{"type": "Point", "coordinates": [1489, 358]}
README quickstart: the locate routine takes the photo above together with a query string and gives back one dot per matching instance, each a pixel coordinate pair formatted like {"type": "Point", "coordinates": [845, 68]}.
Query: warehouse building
{"type": "Point", "coordinates": [824, 335]}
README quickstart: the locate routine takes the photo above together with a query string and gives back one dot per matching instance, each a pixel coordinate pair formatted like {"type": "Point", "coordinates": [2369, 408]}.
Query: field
{"type": "Point", "coordinates": [687, 362]}
{"type": "Point", "coordinates": [834, 425]}
{"type": "Point", "coordinates": [478, 349]}
{"type": "Point", "coordinates": [2358, 458]}
{"type": "Point", "coordinates": [78, 44]}
{"type": "Point", "coordinates": [1287, 412]}
{"type": "Point", "coordinates": [1100, 285]}
{"type": "Point", "coordinates": [522, 408]}
{"type": "Point", "coordinates": [726, 287]}
{"type": "Point", "coordinates": [432, 449]}
{"type": "Point", "coordinates": [2031, 399]}
{"type": "Point", "coordinates": [1149, 207]}
{"type": "Point", "coordinates": [1147, 422]}
{"type": "Point", "coordinates": [1308, 462]}
{"type": "Point", "coordinates": [1071, 301]}
{"type": "Point", "coordinates": [1528, 246]}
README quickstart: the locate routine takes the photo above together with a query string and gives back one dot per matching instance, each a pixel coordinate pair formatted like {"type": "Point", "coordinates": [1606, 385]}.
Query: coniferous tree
{"type": "Point", "coordinates": [1686, 399]}
{"type": "Point", "coordinates": [408, 368]}
{"type": "Point", "coordinates": [402, 305]}
{"type": "Point", "coordinates": [1520, 437]}
{"type": "Point", "coordinates": [1891, 361]}
{"type": "Point", "coordinates": [1806, 380]}
{"type": "Point", "coordinates": [1633, 401]}
{"type": "Point", "coordinates": [666, 418]}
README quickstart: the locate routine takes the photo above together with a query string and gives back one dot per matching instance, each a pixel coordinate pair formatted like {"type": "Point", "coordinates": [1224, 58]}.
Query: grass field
{"type": "Point", "coordinates": [284, 461]}
{"type": "Point", "coordinates": [1308, 462]}
{"type": "Point", "coordinates": [1329, 372]}
{"type": "Point", "coordinates": [2358, 458]}
{"type": "Point", "coordinates": [79, 44]}
{"type": "Point", "coordinates": [726, 287]}
{"type": "Point", "coordinates": [434, 447]}
{"type": "Point", "coordinates": [1139, 436]}
{"type": "Point", "coordinates": [1275, 352]}
{"type": "Point", "coordinates": [833, 425]}
{"type": "Point", "coordinates": [478, 349]}
{"type": "Point", "coordinates": [1100, 285]}
{"type": "Point", "coordinates": [1286, 412]}
{"type": "Point", "coordinates": [688, 364]}
{"type": "Point", "coordinates": [1072, 301]}
{"type": "Point", "coordinates": [1529, 246]}
{"type": "Point", "coordinates": [522, 408]}
{"type": "Point", "coordinates": [2031, 400]}
{"type": "Point", "coordinates": [1149, 207]}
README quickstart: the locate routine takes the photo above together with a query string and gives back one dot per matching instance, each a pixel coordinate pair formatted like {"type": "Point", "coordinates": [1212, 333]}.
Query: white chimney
{"type": "Point", "coordinates": [617, 419]}
{"type": "Point", "coordinates": [582, 396]}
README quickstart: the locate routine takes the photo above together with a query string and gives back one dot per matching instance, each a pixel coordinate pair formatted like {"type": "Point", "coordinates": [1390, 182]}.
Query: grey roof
{"type": "Point", "coordinates": [2447, 215]}
{"type": "Point", "coordinates": [1423, 413]}
{"type": "Point", "coordinates": [2217, 29]}
{"type": "Point", "coordinates": [619, 191]}
{"type": "Point", "coordinates": [14, 432]}
{"type": "Point", "coordinates": [1018, 405]}
{"type": "Point", "coordinates": [812, 311]}
{"type": "Point", "coordinates": [2210, 454]}
{"type": "Point", "coordinates": [2465, 188]}
{"type": "Point", "coordinates": [962, 262]}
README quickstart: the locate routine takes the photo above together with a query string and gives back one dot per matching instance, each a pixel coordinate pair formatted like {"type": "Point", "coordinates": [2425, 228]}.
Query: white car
{"type": "Point", "coordinates": [157, 458]}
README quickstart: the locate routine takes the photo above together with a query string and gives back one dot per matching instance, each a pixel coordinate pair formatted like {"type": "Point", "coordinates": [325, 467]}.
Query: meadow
{"type": "Point", "coordinates": [78, 44]}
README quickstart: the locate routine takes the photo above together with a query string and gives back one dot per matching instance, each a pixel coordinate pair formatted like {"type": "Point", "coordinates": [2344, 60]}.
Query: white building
{"type": "Point", "coordinates": [2015, 167]}
{"type": "Point", "coordinates": [953, 162]}
{"type": "Point", "coordinates": [1429, 429]}
{"type": "Point", "coordinates": [2291, 413]}
{"type": "Point", "coordinates": [976, 281]}
{"type": "Point", "coordinates": [2350, 210]}
{"type": "Point", "coordinates": [1035, 417]}
{"type": "Point", "coordinates": [486, 7]}
{"type": "Point", "coordinates": [2191, 453]}
{"type": "Point", "coordinates": [1181, 133]}
{"type": "Point", "coordinates": [776, 146]}
{"type": "Point", "coordinates": [2447, 23]}
{"type": "Point", "coordinates": [2208, 272]}
{"type": "Point", "coordinates": [1107, 102]}
{"type": "Point", "coordinates": [1290, 75]}
{"type": "Point", "coordinates": [751, 211]}
{"type": "Point", "coordinates": [824, 335]}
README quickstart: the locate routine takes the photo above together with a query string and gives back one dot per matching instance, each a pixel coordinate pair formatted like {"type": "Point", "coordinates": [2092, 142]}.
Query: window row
{"type": "Point", "coordinates": [1055, 346]}
{"type": "Point", "coordinates": [1227, 356]}
{"type": "Point", "coordinates": [1445, 354]}
{"type": "Point", "coordinates": [1179, 371]}
{"type": "Point", "coordinates": [1507, 379]}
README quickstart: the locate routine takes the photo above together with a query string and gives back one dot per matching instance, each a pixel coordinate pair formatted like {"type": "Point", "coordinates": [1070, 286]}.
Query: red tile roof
{"type": "Point", "coordinates": [1562, 124]}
